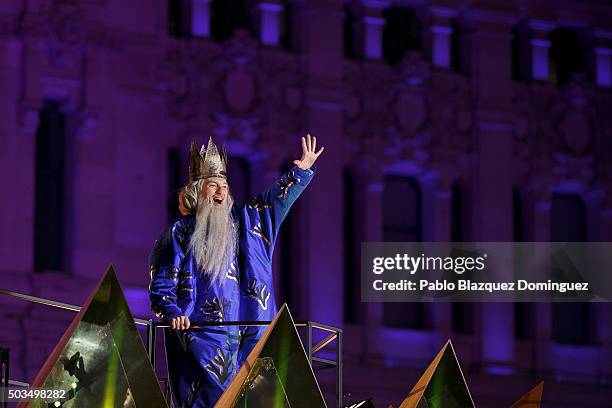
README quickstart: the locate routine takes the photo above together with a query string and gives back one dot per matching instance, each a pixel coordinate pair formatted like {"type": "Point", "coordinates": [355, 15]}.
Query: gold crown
{"type": "Point", "coordinates": [209, 162]}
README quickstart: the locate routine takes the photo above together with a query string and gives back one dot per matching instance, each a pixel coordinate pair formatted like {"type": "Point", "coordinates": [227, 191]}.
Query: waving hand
{"type": "Point", "coordinates": [309, 153]}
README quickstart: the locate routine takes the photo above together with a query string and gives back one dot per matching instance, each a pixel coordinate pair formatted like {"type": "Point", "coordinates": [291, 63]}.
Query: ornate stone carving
{"type": "Point", "coordinates": [575, 123]}
{"type": "Point", "coordinates": [29, 120]}
{"type": "Point", "coordinates": [63, 32]}
{"type": "Point", "coordinates": [415, 70]}
{"type": "Point", "coordinates": [372, 88]}
{"type": "Point", "coordinates": [537, 111]}
{"type": "Point", "coordinates": [410, 111]}
{"type": "Point", "coordinates": [602, 137]}
{"type": "Point", "coordinates": [228, 127]}
{"type": "Point", "coordinates": [411, 114]}
{"type": "Point", "coordinates": [241, 49]}
{"type": "Point", "coordinates": [555, 137]}
{"type": "Point", "coordinates": [452, 109]}
{"type": "Point", "coordinates": [179, 72]}
{"type": "Point", "coordinates": [230, 89]}
{"type": "Point", "coordinates": [68, 28]}
{"type": "Point", "coordinates": [239, 90]}
{"type": "Point", "coordinates": [576, 129]}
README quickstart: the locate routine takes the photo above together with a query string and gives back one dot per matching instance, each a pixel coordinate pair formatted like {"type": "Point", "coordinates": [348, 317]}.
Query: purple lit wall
{"type": "Point", "coordinates": [441, 120]}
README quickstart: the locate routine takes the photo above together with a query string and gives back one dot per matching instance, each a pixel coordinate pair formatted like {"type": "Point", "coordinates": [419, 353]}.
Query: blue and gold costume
{"type": "Point", "coordinates": [203, 361]}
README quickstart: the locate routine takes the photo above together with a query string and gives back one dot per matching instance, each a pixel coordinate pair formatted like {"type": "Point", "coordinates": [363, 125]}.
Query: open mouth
{"type": "Point", "coordinates": [218, 200]}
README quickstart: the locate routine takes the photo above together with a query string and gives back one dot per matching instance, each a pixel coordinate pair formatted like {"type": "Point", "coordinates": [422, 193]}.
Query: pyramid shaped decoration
{"type": "Point", "coordinates": [367, 403]}
{"type": "Point", "coordinates": [101, 360]}
{"type": "Point", "coordinates": [442, 385]}
{"type": "Point", "coordinates": [533, 399]}
{"type": "Point", "coordinates": [276, 373]}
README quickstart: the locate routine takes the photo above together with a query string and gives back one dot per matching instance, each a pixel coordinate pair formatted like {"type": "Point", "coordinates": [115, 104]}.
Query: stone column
{"type": "Point", "coordinates": [437, 208]}
{"type": "Point", "coordinates": [269, 22]}
{"type": "Point", "coordinates": [370, 205]}
{"type": "Point", "coordinates": [441, 33]}
{"type": "Point", "coordinates": [200, 18]}
{"type": "Point", "coordinates": [606, 216]}
{"type": "Point", "coordinates": [538, 204]}
{"type": "Point", "coordinates": [324, 118]}
{"type": "Point", "coordinates": [603, 59]}
{"type": "Point", "coordinates": [17, 159]}
{"type": "Point", "coordinates": [17, 206]}
{"type": "Point", "coordinates": [604, 66]}
{"type": "Point", "coordinates": [494, 195]}
{"type": "Point", "coordinates": [540, 46]}
{"type": "Point", "coordinates": [597, 214]}
{"type": "Point", "coordinates": [491, 190]}
{"type": "Point", "coordinates": [604, 330]}
{"type": "Point", "coordinates": [373, 23]}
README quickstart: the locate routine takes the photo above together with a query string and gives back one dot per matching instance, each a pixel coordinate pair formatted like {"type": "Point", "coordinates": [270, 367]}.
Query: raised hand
{"type": "Point", "coordinates": [309, 153]}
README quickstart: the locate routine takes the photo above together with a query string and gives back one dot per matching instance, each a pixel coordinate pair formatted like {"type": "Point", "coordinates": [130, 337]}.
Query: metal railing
{"type": "Point", "coordinates": [4, 374]}
{"type": "Point", "coordinates": [152, 326]}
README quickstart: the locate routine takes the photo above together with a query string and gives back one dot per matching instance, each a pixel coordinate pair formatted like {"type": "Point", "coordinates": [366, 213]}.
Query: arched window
{"type": "Point", "coordinates": [352, 284]}
{"type": "Point", "coordinates": [462, 313]}
{"type": "Point", "coordinates": [402, 223]}
{"type": "Point", "coordinates": [178, 18]}
{"type": "Point", "coordinates": [286, 26]}
{"type": "Point", "coordinates": [520, 53]}
{"type": "Point", "coordinates": [457, 233]}
{"type": "Point", "coordinates": [228, 15]}
{"type": "Point", "coordinates": [457, 50]}
{"type": "Point", "coordinates": [524, 323]}
{"type": "Point", "coordinates": [524, 313]}
{"type": "Point", "coordinates": [401, 33]}
{"type": "Point", "coordinates": [518, 232]}
{"type": "Point", "coordinates": [239, 178]}
{"type": "Point", "coordinates": [566, 57]}
{"type": "Point", "coordinates": [175, 182]}
{"type": "Point", "coordinates": [348, 29]}
{"type": "Point", "coordinates": [49, 197]}
{"type": "Point", "coordinates": [572, 322]}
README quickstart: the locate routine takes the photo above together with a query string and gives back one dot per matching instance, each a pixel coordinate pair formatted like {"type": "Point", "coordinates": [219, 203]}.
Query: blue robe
{"type": "Point", "coordinates": [202, 362]}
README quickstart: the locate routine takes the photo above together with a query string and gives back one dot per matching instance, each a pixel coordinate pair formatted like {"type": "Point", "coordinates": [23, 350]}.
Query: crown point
{"type": "Point", "coordinates": [209, 162]}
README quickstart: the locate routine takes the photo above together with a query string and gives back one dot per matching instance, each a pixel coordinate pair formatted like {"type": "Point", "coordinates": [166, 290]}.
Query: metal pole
{"type": "Point", "coordinates": [52, 303]}
{"type": "Point", "coordinates": [5, 365]}
{"type": "Point", "coordinates": [195, 325]}
{"type": "Point", "coordinates": [151, 342]}
{"type": "Point", "coordinates": [339, 368]}
{"type": "Point", "coordinates": [309, 327]}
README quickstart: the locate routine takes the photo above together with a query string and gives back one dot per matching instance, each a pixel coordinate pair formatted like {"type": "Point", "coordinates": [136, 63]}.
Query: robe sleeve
{"type": "Point", "coordinates": [165, 263]}
{"type": "Point", "coordinates": [272, 206]}
{"type": "Point", "coordinates": [261, 219]}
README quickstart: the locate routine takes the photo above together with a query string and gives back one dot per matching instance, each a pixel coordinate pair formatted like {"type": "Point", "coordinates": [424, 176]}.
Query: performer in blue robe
{"type": "Point", "coordinates": [215, 264]}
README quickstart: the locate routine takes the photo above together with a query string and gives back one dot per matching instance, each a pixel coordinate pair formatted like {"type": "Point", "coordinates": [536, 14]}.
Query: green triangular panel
{"type": "Point", "coordinates": [291, 383]}
{"type": "Point", "coordinates": [263, 387]}
{"type": "Point", "coordinates": [442, 385]}
{"type": "Point", "coordinates": [447, 387]}
{"type": "Point", "coordinates": [101, 360]}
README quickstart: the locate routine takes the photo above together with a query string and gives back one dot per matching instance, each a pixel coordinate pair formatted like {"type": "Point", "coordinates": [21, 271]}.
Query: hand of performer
{"type": "Point", "coordinates": [309, 153]}
{"type": "Point", "coordinates": [180, 323]}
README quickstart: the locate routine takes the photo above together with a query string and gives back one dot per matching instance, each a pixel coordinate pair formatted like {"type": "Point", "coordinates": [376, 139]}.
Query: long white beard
{"type": "Point", "coordinates": [213, 242]}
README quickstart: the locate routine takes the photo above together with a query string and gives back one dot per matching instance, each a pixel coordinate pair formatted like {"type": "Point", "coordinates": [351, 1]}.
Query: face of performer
{"type": "Point", "coordinates": [215, 190]}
